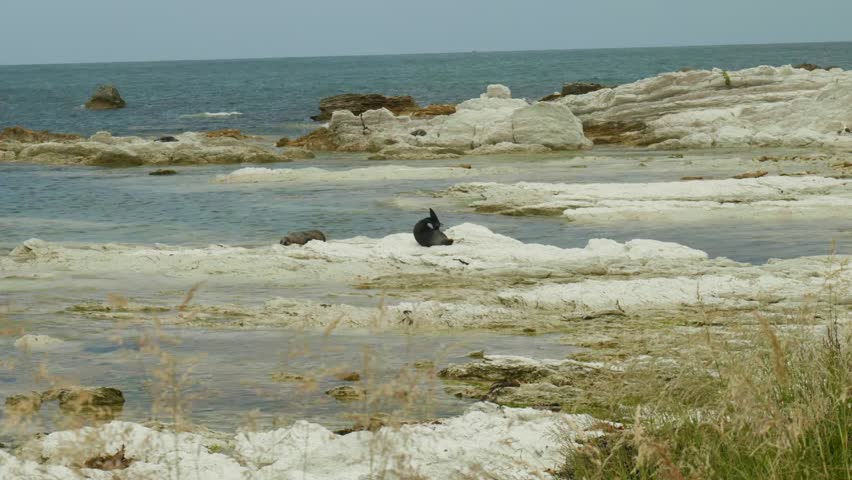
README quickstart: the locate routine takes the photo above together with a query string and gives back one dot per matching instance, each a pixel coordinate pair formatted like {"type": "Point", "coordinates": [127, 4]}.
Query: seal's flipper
{"type": "Point", "coordinates": [433, 216]}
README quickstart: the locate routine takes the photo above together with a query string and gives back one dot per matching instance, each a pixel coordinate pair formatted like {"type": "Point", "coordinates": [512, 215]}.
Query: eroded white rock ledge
{"type": "Point", "coordinates": [685, 200]}
{"type": "Point", "coordinates": [366, 174]}
{"type": "Point", "coordinates": [754, 107]}
{"type": "Point", "coordinates": [486, 442]}
{"type": "Point", "coordinates": [103, 149]}
{"type": "Point", "coordinates": [495, 121]}
{"type": "Point", "coordinates": [484, 280]}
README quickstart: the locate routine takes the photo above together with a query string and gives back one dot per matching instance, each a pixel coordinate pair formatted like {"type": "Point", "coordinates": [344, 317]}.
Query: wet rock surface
{"type": "Point", "coordinates": [346, 393]}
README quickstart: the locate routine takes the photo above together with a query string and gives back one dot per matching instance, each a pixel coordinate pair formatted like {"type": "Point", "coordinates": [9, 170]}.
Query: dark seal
{"type": "Point", "coordinates": [428, 232]}
{"type": "Point", "coordinates": [301, 238]}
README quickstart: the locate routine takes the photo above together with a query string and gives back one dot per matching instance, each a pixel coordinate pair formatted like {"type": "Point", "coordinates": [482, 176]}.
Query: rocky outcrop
{"type": "Point", "coordinates": [23, 135]}
{"type": "Point", "coordinates": [37, 343]}
{"type": "Point", "coordinates": [435, 110]}
{"type": "Point", "coordinates": [755, 107]}
{"type": "Point", "coordinates": [320, 140]}
{"type": "Point", "coordinates": [486, 441]}
{"type": "Point", "coordinates": [581, 88]}
{"type": "Point", "coordinates": [290, 154]}
{"type": "Point", "coordinates": [576, 88]}
{"type": "Point", "coordinates": [547, 124]}
{"type": "Point", "coordinates": [752, 194]}
{"type": "Point", "coordinates": [103, 149]}
{"type": "Point", "coordinates": [359, 103]}
{"type": "Point", "coordinates": [492, 119]}
{"type": "Point", "coordinates": [74, 399]}
{"type": "Point", "coordinates": [227, 133]}
{"type": "Point", "coordinates": [106, 97]}
{"type": "Point", "coordinates": [811, 67]}
{"type": "Point", "coordinates": [346, 393]}
{"type": "Point", "coordinates": [519, 381]}
{"type": "Point", "coordinates": [411, 152]}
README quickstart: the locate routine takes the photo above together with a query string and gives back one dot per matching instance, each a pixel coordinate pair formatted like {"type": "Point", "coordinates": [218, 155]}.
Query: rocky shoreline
{"type": "Point", "coordinates": [628, 310]}
{"type": "Point", "coordinates": [486, 441]}
{"type": "Point", "coordinates": [760, 107]}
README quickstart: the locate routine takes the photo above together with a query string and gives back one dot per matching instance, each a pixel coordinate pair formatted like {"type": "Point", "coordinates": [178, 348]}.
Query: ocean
{"type": "Point", "coordinates": [278, 96]}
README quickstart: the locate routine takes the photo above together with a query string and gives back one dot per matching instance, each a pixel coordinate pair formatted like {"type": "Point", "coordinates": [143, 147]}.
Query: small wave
{"type": "Point", "coordinates": [212, 115]}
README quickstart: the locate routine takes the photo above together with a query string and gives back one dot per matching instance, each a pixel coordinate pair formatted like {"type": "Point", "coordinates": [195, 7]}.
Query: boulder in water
{"type": "Point", "coordinates": [346, 393]}
{"type": "Point", "coordinates": [301, 238]}
{"type": "Point", "coordinates": [24, 135]}
{"type": "Point", "coordinates": [106, 97]}
{"type": "Point", "coordinates": [37, 343]}
{"type": "Point", "coordinates": [83, 398]}
{"type": "Point", "coordinates": [581, 88]}
{"type": "Point", "coordinates": [23, 404]}
{"type": "Point", "coordinates": [358, 103]}
{"type": "Point", "coordinates": [166, 139]}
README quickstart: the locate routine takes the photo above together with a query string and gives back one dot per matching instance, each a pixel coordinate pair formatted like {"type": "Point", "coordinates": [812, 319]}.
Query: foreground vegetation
{"type": "Point", "coordinates": [775, 406]}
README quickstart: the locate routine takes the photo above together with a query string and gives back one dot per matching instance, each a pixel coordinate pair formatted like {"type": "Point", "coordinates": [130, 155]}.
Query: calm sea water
{"type": "Point", "coordinates": [277, 96]}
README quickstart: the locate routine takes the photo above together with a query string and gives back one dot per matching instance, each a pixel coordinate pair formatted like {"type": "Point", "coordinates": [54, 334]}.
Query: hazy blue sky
{"type": "Point", "coordinates": [49, 31]}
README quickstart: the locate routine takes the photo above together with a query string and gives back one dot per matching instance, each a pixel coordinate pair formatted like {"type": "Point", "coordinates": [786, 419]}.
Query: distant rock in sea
{"type": "Point", "coordinates": [103, 149]}
{"type": "Point", "coordinates": [106, 97]}
{"type": "Point", "coordinates": [359, 103]}
{"type": "Point", "coordinates": [575, 88]}
{"type": "Point", "coordinates": [493, 118]}
{"type": "Point", "coordinates": [24, 135]}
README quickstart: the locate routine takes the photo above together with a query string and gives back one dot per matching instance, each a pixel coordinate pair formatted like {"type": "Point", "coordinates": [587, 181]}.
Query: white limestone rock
{"type": "Point", "coordinates": [37, 343]}
{"type": "Point", "coordinates": [497, 91]}
{"type": "Point", "coordinates": [486, 441]}
{"type": "Point", "coordinates": [365, 174]}
{"type": "Point", "coordinates": [492, 119]}
{"type": "Point", "coordinates": [549, 124]}
{"type": "Point", "coordinates": [674, 201]}
{"type": "Point", "coordinates": [104, 149]}
{"type": "Point", "coordinates": [762, 107]}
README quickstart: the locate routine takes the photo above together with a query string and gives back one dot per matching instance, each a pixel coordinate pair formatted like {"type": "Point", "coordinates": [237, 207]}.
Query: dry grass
{"type": "Point", "coordinates": [779, 409]}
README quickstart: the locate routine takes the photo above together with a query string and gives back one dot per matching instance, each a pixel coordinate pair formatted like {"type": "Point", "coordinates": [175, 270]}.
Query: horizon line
{"type": "Point", "coordinates": [421, 53]}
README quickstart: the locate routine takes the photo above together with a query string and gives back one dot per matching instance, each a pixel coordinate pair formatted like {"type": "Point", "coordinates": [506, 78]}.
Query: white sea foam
{"type": "Point", "coordinates": [212, 115]}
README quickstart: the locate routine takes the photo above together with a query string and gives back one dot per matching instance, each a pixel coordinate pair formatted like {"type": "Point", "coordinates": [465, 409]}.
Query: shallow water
{"type": "Point", "coordinates": [231, 371]}
{"type": "Point", "coordinates": [95, 205]}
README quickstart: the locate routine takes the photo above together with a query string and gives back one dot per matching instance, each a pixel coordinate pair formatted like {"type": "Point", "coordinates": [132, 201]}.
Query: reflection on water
{"type": "Point", "coordinates": [233, 373]}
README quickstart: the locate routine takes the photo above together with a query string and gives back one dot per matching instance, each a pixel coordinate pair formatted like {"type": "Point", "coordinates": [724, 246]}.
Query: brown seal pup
{"type": "Point", "coordinates": [301, 238]}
